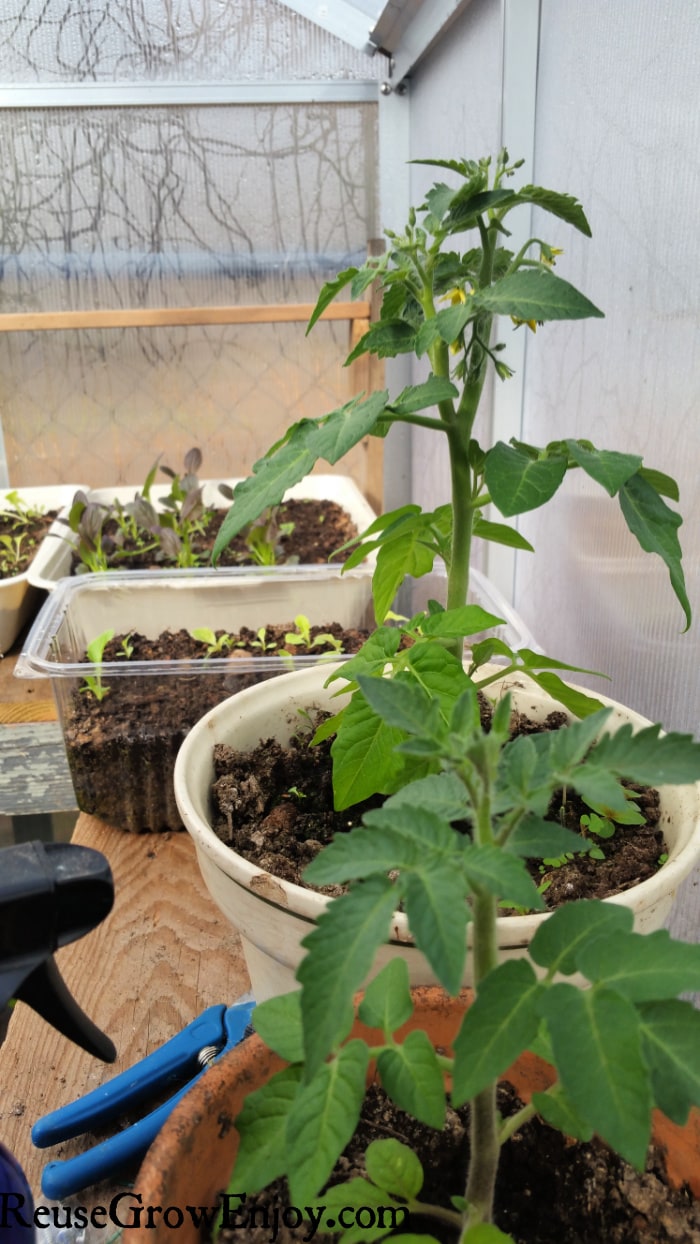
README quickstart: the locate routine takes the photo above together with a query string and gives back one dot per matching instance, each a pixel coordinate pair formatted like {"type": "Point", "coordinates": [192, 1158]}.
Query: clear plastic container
{"type": "Point", "coordinates": [121, 748]}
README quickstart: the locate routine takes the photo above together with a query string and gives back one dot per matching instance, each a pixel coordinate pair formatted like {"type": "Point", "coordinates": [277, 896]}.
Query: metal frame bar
{"type": "Point", "coordinates": [183, 94]}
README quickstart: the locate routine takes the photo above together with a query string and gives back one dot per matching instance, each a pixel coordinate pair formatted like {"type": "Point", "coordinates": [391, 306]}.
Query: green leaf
{"type": "Point", "coordinates": [424, 827]}
{"type": "Point", "coordinates": [411, 1075]}
{"type": "Point", "coordinates": [500, 533]}
{"type": "Point", "coordinates": [533, 839]}
{"type": "Point", "coordinates": [363, 853]}
{"type": "Point", "coordinates": [438, 199]}
{"type": "Point", "coordinates": [565, 206]}
{"type": "Point", "coordinates": [518, 483]}
{"type": "Point", "coordinates": [671, 1043]}
{"type": "Point", "coordinates": [560, 752]}
{"type": "Point", "coordinates": [535, 295]}
{"type": "Point", "coordinates": [262, 1152]}
{"type": "Point", "coordinates": [596, 1041]}
{"type": "Point", "coordinates": [665, 485]}
{"type": "Point", "coordinates": [439, 671]}
{"type": "Point", "coordinates": [404, 705]}
{"type": "Point", "coordinates": [364, 755]}
{"type": "Point", "coordinates": [498, 1026]}
{"type": "Point", "coordinates": [609, 469]}
{"type": "Point", "coordinates": [577, 702]}
{"type": "Point", "coordinates": [643, 967]}
{"type": "Point", "coordinates": [558, 1111]}
{"type": "Point", "coordinates": [450, 322]}
{"type": "Point", "coordinates": [293, 457]}
{"type": "Point", "coordinates": [441, 793]}
{"type": "Point", "coordinates": [341, 950]}
{"type": "Point", "coordinates": [559, 939]}
{"type": "Point", "coordinates": [354, 1195]}
{"type": "Point", "coordinates": [393, 1166]}
{"type": "Point", "coordinates": [460, 622]}
{"type": "Point", "coordinates": [278, 1022]}
{"type": "Point", "coordinates": [407, 553]}
{"type": "Point", "coordinates": [323, 1118]}
{"type": "Point", "coordinates": [504, 875]}
{"type": "Point", "coordinates": [420, 396]}
{"type": "Point", "coordinates": [655, 526]}
{"type": "Point", "coordinates": [467, 206]}
{"type": "Point", "coordinates": [437, 912]}
{"type": "Point", "coordinates": [373, 656]}
{"type": "Point", "coordinates": [648, 756]}
{"type": "Point", "coordinates": [386, 339]}
{"type": "Point", "coordinates": [329, 291]}
{"type": "Point", "coordinates": [387, 1000]}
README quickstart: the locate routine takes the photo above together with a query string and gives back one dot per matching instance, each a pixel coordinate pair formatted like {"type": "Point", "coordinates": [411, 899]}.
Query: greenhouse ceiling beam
{"type": "Point", "coordinates": [174, 94]}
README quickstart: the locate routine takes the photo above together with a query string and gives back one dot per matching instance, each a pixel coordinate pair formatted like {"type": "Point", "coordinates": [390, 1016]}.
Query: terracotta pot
{"type": "Point", "coordinates": [191, 1160]}
{"type": "Point", "coordinates": [273, 916]}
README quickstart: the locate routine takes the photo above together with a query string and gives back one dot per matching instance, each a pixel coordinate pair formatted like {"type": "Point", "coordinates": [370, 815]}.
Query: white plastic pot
{"type": "Point", "coordinates": [339, 488]}
{"type": "Point", "coordinates": [18, 597]}
{"type": "Point", "coordinates": [273, 916]}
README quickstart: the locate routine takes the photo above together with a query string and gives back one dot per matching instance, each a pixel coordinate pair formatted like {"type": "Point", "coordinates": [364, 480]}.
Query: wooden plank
{"type": "Point", "coordinates": [164, 317]}
{"type": "Point", "coordinates": [160, 958]}
{"type": "Point", "coordinates": [34, 774]}
{"type": "Point", "coordinates": [26, 710]}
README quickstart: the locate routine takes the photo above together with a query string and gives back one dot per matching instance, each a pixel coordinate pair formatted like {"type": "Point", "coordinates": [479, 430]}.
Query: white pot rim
{"type": "Point", "coordinates": [307, 904]}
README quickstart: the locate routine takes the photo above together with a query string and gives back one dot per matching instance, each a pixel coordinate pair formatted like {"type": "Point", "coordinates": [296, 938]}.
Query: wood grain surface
{"type": "Point", "coordinates": [162, 955]}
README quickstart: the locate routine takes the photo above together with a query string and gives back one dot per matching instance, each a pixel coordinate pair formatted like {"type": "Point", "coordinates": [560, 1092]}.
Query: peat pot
{"type": "Point", "coordinates": [191, 1160]}
{"type": "Point", "coordinates": [122, 747]}
{"type": "Point", "coordinates": [273, 915]}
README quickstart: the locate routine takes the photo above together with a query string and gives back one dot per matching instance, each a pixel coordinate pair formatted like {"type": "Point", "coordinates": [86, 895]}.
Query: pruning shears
{"type": "Point", "coordinates": [188, 1054]}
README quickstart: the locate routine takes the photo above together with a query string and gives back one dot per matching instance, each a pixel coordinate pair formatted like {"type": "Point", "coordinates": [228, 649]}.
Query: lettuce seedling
{"type": "Point", "coordinates": [95, 652]}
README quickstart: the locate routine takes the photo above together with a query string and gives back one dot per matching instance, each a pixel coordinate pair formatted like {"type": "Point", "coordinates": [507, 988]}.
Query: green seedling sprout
{"type": "Point", "coordinates": [95, 651]}
{"type": "Point", "coordinates": [262, 642]}
{"type": "Point", "coordinates": [262, 538]}
{"type": "Point", "coordinates": [127, 647]}
{"type": "Point", "coordinates": [302, 636]}
{"type": "Point", "coordinates": [216, 645]}
{"type": "Point", "coordinates": [14, 551]}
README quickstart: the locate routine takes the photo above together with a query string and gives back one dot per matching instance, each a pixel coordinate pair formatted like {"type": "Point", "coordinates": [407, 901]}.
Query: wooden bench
{"type": "Point", "coordinates": [162, 955]}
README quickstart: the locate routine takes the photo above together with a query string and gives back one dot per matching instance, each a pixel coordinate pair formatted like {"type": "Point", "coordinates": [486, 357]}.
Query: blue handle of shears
{"type": "Point", "coordinates": [218, 1025]}
{"type": "Point", "coordinates": [132, 1086]}
{"type": "Point", "coordinates": [65, 1176]}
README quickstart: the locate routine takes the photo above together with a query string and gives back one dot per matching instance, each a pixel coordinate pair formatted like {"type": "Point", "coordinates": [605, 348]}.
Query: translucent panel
{"type": "Point", "coordinates": [182, 206]}
{"type": "Point", "coordinates": [171, 40]}
{"type": "Point", "coordinates": [615, 129]}
{"type": "Point", "coordinates": [98, 406]}
{"type": "Point", "coordinates": [444, 124]}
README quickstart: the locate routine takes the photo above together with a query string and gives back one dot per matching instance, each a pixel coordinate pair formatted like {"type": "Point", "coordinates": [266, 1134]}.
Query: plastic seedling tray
{"type": "Point", "coordinates": [121, 749]}
{"type": "Point", "coordinates": [339, 488]}
{"type": "Point", "coordinates": [18, 597]}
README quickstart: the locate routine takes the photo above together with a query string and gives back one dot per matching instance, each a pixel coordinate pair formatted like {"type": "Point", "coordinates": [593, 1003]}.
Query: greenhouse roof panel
{"type": "Point", "coordinates": [364, 24]}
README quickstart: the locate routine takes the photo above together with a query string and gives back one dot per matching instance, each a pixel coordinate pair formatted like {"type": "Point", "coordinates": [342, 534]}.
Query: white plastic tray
{"type": "Point", "coordinates": [17, 597]}
{"type": "Point", "coordinates": [339, 488]}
